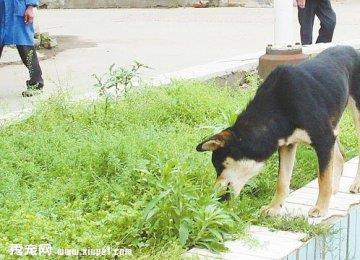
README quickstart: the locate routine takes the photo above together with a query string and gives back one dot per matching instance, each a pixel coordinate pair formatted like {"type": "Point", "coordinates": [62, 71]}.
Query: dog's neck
{"type": "Point", "coordinates": [260, 127]}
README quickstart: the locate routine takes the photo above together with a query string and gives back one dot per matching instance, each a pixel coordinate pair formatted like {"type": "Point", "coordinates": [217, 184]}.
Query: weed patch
{"type": "Point", "coordinates": [125, 173]}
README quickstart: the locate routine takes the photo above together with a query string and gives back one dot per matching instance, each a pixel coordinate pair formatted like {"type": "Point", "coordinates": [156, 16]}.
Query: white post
{"type": "Point", "coordinates": [36, 21]}
{"type": "Point", "coordinates": [283, 22]}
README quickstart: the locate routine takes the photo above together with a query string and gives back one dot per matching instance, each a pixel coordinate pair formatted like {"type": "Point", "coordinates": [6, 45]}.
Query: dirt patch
{"type": "Point", "coordinates": [65, 42]}
{"type": "Point", "coordinates": [68, 42]}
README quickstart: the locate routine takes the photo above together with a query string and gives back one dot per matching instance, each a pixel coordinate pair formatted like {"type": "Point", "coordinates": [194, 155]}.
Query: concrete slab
{"type": "Point", "coordinates": [300, 210]}
{"type": "Point", "coordinates": [269, 245]}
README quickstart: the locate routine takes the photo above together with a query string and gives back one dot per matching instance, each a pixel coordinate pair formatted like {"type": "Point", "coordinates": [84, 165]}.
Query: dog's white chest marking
{"type": "Point", "coordinates": [298, 136]}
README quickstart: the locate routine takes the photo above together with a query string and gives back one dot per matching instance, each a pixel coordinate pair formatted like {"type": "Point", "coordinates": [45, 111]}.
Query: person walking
{"type": "Point", "coordinates": [307, 9]}
{"type": "Point", "coordinates": [16, 28]}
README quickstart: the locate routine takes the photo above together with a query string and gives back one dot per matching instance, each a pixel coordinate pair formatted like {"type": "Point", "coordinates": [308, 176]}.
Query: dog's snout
{"type": "Point", "coordinates": [224, 197]}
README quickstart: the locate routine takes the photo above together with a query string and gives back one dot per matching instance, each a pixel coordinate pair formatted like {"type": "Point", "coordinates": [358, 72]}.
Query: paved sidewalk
{"type": "Point", "coordinates": [165, 39]}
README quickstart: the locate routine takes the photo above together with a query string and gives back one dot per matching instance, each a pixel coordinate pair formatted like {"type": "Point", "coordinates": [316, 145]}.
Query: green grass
{"type": "Point", "coordinates": [75, 176]}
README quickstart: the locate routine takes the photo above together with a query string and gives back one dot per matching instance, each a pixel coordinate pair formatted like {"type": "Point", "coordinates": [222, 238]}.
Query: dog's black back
{"type": "Point", "coordinates": [310, 96]}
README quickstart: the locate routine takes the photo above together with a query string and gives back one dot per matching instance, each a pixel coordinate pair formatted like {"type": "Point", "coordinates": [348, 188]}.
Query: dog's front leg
{"type": "Point", "coordinates": [326, 165]}
{"type": "Point", "coordinates": [286, 164]}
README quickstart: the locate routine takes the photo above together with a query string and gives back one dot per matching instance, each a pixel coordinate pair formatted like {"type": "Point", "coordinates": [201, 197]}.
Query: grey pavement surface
{"type": "Point", "coordinates": [164, 39]}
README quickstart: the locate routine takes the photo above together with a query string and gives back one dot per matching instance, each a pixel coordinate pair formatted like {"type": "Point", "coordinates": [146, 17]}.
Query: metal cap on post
{"type": "Point", "coordinates": [284, 50]}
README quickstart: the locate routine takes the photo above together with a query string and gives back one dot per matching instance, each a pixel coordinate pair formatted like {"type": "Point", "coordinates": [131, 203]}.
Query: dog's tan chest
{"type": "Point", "coordinates": [298, 136]}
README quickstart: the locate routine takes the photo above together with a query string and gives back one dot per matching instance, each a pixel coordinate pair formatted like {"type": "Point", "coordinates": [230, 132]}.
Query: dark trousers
{"type": "Point", "coordinates": [323, 10]}
{"type": "Point", "coordinates": [29, 58]}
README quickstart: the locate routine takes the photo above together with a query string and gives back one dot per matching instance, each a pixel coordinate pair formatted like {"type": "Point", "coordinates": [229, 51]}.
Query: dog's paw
{"type": "Point", "coordinates": [355, 187]}
{"type": "Point", "coordinates": [317, 212]}
{"type": "Point", "coordinates": [270, 211]}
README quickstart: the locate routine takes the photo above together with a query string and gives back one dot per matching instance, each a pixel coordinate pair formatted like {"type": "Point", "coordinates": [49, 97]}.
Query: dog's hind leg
{"type": "Point", "coordinates": [286, 164]}
{"type": "Point", "coordinates": [355, 187]}
{"type": "Point", "coordinates": [338, 166]}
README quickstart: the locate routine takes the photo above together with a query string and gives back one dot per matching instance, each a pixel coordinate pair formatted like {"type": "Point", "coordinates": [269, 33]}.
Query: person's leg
{"type": "Point", "coordinates": [327, 18]}
{"type": "Point", "coordinates": [306, 19]}
{"type": "Point", "coordinates": [29, 58]}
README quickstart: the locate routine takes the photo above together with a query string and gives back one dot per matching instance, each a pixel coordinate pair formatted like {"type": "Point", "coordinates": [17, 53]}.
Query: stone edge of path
{"type": "Point", "coordinates": [225, 67]}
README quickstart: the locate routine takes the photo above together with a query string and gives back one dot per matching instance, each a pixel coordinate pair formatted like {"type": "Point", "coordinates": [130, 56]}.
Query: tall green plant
{"type": "Point", "coordinates": [118, 80]}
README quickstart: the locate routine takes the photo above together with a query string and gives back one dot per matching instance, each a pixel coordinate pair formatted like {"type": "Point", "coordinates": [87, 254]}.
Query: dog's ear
{"type": "Point", "coordinates": [215, 142]}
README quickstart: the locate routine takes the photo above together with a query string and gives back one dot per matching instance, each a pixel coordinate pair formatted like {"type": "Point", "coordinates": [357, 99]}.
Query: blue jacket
{"type": "Point", "coordinates": [13, 29]}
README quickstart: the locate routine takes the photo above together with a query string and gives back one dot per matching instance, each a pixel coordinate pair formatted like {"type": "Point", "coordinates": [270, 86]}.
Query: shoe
{"type": "Point", "coordinates": [32, 90]}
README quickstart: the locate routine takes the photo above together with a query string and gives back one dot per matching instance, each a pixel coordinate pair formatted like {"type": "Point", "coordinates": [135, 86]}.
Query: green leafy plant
{"type": "Point", "coordinates": [118, 79]}
{"type": "Point", "coordinates": [117, 82]}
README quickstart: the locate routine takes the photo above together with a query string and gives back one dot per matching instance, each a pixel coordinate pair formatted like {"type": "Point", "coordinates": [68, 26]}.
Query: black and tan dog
{"type": "Point", "coordinates": [295, 104]}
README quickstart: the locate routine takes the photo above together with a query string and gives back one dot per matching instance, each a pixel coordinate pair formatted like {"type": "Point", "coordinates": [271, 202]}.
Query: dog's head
{"type": "Point", "coordinates": [230, 158]}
